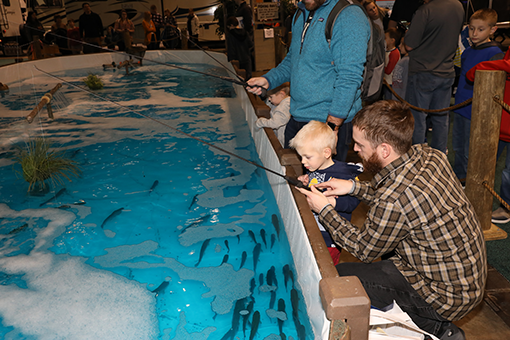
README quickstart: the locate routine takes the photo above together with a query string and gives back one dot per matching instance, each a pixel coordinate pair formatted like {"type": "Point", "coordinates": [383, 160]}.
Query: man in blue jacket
{"type": "Point", "coordinates": [325, 80]}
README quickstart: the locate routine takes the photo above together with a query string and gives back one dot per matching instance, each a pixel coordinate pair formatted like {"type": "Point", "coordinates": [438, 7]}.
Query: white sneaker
{"type": "Point", "coordinates": [500, 216]}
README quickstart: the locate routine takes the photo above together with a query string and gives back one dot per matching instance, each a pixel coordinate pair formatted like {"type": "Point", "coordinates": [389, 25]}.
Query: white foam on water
{"type": "Point", "coordinates": [66, 298]}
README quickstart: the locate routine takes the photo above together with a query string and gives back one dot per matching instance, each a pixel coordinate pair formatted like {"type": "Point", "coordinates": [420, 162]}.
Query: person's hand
{"type": "Point", "coordinates": [304, 179]}
{"type": "Point", "coordinates": [316, 200]}
{"type": "Point", "coordinates": [337, 122]}
{"type": "Point", "coordinates": [255, 85]}
{"type": "Point", "coordinates": [335, 187]}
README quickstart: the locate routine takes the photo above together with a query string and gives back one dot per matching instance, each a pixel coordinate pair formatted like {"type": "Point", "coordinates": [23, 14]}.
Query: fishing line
{"type": "Point", "coordinates": [226, 68]}
{"type": "Point", "coordinates": [231, 80]}
{"type": "Point", "coordinates": [291, 180]}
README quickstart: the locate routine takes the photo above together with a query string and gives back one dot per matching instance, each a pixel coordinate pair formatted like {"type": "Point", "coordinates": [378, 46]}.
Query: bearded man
{"type": "Point", "coordinates": [325, 78]}
{"type": "Point", "coordinates": [419, 214]}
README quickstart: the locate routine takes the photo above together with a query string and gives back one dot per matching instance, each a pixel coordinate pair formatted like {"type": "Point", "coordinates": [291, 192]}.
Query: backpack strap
{"type": "Point", "coordinates": [339, 6]}
{"type": "Point", "coordinates": [297, 15]}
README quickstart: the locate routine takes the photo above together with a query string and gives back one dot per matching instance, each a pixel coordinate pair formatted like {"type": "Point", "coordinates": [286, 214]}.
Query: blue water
{"type": "Point", "coordinates": [161, 237]}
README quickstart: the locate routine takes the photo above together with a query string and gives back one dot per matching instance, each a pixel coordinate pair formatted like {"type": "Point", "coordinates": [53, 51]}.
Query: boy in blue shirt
{"type": "Point", "coordinates": [482, 25]}
{"type": "Point", "coordinates": [316, 144]}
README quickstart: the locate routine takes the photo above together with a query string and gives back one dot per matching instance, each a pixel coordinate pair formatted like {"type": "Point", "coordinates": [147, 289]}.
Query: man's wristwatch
{"type": "Point", "coordinates": [333, 126]}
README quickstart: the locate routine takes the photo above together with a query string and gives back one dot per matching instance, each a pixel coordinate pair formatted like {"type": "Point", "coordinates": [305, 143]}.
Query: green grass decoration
{"type": "Point", "coordinates": [39, 163]}
{"type": "Point", "coordinates": [93, 82]}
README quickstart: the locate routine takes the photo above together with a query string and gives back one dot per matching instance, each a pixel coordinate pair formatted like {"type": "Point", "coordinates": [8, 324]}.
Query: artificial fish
{"type": "Point", "coordinates": [252, 235]}
{"type": "Point", "coordinates": [18, 229]}
{"type": "Point", "coordinates": [243, 259]}
{"type": "Point", "coordinates": [154, 185]}
{"type": "Point", "coordinates": [294, 300]}
{"type": "Point", "coordinates": [263, 235]}
{"type": "Point", "coordinates": [160, 288]}
{"type": "Point", "coordinates": [235, 320]}
{"type": "Point", "coordinates": [249, 308]}
{"type": "Point", "coordinates": [288, 275]}
{"type": "Point", "coordinates": [271, 277]}
{"type": "Point", "coordinates": [73, 154]}
{"type": "Point", "coordinates": [57, 195]}
{"type": "Point", "coordinates": [112, 215]}
{"type": "Point", "coordinates": [255, 321]}
{"type": "Point", "coordinates": [281, 308]}
{"type": "Point", "coordinates": [273, 240]}
{"type": "Point", "coordinates": [256, 254]}
{"type": "Point", "coordinates": [197, 222]}
{"type": "Point", "coordinates": [202, 251]}
{"type": "Point", "coordinates": [276, 224]}
{"type": "Point", "coordinates": [225, 259]}
{"type": "Point", "coordinates": [80, 202]}
{"type": "Point", "coordinates": [226, 244]}
{"type": "Point", "coordinates": [272, 300]}
{"type": "Point", "coordinates": [193, 201]}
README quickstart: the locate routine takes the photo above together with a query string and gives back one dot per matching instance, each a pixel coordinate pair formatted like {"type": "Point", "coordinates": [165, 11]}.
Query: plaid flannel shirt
{"type": "Point", "coordinates": [419, 210]}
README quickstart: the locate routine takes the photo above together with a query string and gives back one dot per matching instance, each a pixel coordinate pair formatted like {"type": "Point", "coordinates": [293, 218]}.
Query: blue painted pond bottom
{"type": "Point", "coordinates": [161, 237]}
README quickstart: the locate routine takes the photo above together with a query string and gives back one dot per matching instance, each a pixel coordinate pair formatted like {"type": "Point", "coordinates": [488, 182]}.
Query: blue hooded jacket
{"type": "Point", "coordinates": [325, 80]}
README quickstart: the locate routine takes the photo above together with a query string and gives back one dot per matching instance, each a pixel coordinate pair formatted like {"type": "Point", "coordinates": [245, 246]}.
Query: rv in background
{"type": "Point", "coordinates": [109, 11]}
{"type": "Point", "coordinates": [12, 15]}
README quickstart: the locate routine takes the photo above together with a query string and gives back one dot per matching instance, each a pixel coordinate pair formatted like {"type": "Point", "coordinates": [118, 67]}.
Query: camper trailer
{"type": "Point", "coordinates": [12, 16]}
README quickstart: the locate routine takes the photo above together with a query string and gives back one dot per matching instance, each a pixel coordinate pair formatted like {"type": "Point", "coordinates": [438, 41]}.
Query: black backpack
{"type": "Point", "coordinates": [373, 74]}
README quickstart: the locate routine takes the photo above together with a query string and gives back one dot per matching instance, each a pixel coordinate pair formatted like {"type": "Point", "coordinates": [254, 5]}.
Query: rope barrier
{"type": "Point", "coordinates": [502, 103]}
{"type": "Point", "coordinates": [454, 107]}
{"type": "Point", "coordinates": [495, 194]}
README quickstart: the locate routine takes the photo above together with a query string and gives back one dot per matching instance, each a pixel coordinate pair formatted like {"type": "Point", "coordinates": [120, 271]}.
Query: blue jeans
{"type": "Point", "coordinates": [505, 174]}
{"type": "Point", "coordinates": [384, 283]}
{"type": "Point", "coordinates": [460, 142]}
{"type": "Point", "coordinates": [427, 91]}
{"type": "Point", "coordinates": [343, 142]}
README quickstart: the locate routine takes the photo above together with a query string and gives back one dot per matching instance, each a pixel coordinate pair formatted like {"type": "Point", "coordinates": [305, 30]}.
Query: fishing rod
{"type": "Point", "coordinates": [220, 63]}
{"type": "Point", "coordinates": [231, 80]}
{"type": "Point", "coordinates": [291, 180]}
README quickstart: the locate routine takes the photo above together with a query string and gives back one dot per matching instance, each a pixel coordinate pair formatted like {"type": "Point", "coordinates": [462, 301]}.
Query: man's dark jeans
{"type": "Point", "coordinates": [384, 283]}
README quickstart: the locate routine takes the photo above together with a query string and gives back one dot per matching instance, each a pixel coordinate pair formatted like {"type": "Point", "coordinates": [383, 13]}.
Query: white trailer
{"type": "Point", "coordinates": [12, 14]}
{"type": "Point", "coordinates": [109, 11]}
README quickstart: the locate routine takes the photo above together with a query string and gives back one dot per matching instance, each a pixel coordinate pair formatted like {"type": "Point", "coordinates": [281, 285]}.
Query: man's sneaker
{"type": "Point", "coordinates": [500, 215]}
{"type": "Point", "coordinates": [453, 333]}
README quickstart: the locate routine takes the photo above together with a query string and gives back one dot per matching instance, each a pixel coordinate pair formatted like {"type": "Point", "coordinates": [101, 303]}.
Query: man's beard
{"type": "Point", "coordinates": [372, 164]}
{"type": "Point", "coordinates": [314, 5]}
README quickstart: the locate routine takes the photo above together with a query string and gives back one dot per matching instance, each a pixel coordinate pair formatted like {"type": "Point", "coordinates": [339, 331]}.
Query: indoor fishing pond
{"type": "Point", "coordinates": [157, 235]}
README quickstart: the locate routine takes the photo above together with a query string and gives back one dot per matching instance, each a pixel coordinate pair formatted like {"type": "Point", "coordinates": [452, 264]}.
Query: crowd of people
{"type": "Point", "coordinates": [90, 35]}
{"type": "Point", "coordinates": [420, 222]}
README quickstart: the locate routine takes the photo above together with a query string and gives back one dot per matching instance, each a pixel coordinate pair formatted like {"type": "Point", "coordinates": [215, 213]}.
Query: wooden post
{"type": "Point", "coordinates": [184, 39]}
{"type": "Point", "coordinates": [483, 145]}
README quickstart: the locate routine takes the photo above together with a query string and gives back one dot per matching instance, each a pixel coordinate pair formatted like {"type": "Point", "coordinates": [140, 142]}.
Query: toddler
{"type": "Point", "coordinates": [279, 102]}
{"type": "Point", "coordinates": [316, 143]}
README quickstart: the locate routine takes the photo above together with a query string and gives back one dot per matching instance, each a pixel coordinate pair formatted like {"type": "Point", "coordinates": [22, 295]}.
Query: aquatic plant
{"type": "Point", "coordinates": [93, 82]}
{"type": "Point", "coordinates": [39, 163]}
